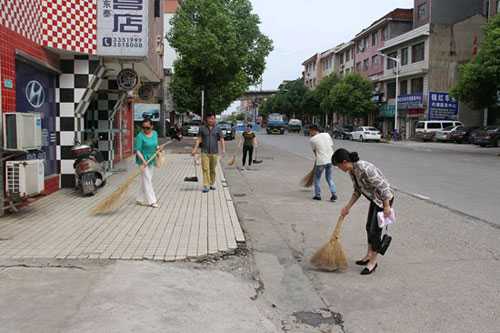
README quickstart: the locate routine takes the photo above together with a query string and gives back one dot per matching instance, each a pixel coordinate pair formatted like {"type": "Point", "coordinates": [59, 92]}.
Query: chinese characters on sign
{"type": "Point", "coordinates": [122, 27]}
{"type": "Point", "coordinates": [411, 101]}
{"type": "Point", "coordinates": [442, 106]}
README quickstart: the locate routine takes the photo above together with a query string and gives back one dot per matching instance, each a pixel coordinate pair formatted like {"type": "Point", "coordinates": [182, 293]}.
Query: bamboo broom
{"type": "Point", "coordinates": [232, 161]}
{"type": "Point", "coordinates": [112, 201]}
{"type": "Point", "coordinates": [331, 256]}
{"type": "Point", "coordinates": [308, 179]}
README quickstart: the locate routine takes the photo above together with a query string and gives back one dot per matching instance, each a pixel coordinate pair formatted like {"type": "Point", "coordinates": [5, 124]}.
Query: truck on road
{"type": "Point", "coordinates": [276, 124]}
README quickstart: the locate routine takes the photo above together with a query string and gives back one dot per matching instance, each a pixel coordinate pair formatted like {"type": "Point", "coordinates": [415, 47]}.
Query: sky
{"type": "Point", "coordinates": [301, 28]}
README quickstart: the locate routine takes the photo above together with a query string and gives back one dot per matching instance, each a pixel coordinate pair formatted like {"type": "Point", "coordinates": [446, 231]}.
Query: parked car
{"type": "Point", "coordinates": [445, 134]}
{"type": "Point", "coordinates": [191, 128]}
{"type": "Point", "coordinates": [342, 132]}
{"type": "Point", "coordinates": [294, 125]}
{"type": "Point", "coordinates": [227, 130]}
{"type": "Point", "coordinates": [489, 137]}
{"type": "Point", "coordinates": [426, 130]}
{"type": "Point", "coordinates": [474, 135]}
{"type": "Point", "coordinates": [365, 133]}
{"type": "Point", "coordinates": [462, 134]}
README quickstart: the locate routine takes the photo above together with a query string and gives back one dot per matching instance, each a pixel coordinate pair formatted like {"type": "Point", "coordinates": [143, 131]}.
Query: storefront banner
{"type": "Point", "coordinates": [143, 111]}
{"type": "Point", "coordinates": [387, 111]}
{"type": "Point", "coordinates": [122, 28]}
{"type": "Point", "coordinates": [442, 106]}
{"type": "Point", "coordinates": [415, 101]}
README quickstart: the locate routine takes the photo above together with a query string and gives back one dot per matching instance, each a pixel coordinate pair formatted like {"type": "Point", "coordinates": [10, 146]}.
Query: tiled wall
{"type": "Point", "coordinates": [11, 41]}
{"type": "Point", "coordinates": [70, 25]}
{"type": "Point", "coordinates": [77, 71]}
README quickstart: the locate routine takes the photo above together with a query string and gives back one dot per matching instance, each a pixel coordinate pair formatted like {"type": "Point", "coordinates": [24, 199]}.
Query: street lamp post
{"type": "Point", "coordinates": [398, 66]}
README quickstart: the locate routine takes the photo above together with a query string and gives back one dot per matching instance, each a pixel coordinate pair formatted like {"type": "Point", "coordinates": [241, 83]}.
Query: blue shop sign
{"type": "Point", "coordinates": [415, 101]}
{"type": "Point", "coordinates": [442, 106]}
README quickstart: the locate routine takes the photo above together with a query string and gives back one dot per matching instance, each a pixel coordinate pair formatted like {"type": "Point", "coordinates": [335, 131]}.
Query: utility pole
{"type": "Point", "coordinates": [398, 67]}
{"type": "Point", "coordinates": [202, 104]}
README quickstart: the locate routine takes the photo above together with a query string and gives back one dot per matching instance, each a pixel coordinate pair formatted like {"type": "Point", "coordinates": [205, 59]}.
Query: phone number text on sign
{"type": "Point", "coordinates": [122, 27]}
{"type": "Point", "coordinates": [124, 42]}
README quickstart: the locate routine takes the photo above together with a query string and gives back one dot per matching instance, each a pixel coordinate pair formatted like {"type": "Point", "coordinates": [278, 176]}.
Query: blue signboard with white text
{"type": "Point", "coordinates": [442, 106]}
{"type": "Point", "coordinates": [415, 101]}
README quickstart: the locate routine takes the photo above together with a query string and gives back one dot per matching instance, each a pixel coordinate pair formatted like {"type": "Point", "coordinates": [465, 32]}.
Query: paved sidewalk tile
{"type": "Point", "coordinates": [188, 224]}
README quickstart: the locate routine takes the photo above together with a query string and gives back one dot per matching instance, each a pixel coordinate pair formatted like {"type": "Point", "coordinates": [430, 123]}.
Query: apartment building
{"type": "Point", "coordinates": [345, 58]}
{"type": "Point", "coordinates": [326, 64]}
{"type": "Point", "coordinates": [368, 42]}
{"type": "Point", "coordinates": [310, 73]}
{"type": "Point", "coordinates": [443, 38]}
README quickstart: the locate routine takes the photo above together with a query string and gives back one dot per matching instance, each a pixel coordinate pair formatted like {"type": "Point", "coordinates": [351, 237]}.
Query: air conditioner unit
{"type": "Point", "coordinates": [22, 131]}
{"type": "Point", "coordinates": [25, 178]}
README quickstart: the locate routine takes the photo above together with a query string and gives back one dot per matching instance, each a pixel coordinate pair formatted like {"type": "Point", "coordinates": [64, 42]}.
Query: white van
{"type": "Point", "coordinates": [426, 130]}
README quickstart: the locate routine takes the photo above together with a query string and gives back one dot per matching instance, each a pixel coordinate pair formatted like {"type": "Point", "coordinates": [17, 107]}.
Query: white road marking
{"type": "Point", "coordinates": [423, 197]}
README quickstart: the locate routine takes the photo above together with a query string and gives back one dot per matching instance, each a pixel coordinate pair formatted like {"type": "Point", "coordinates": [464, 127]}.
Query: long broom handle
{"type": "Point", "coordinates": [160, 148]}
{"type": "Point", "coordinates": [338, 227]}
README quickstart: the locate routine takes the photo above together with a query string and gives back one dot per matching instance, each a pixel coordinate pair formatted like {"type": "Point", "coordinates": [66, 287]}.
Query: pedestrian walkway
{"type": "Point", "coordinates": [188, 224]}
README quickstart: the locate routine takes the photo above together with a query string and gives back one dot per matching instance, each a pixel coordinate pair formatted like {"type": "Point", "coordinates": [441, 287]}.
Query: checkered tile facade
{"type": "Point", "coordinates": [77, 73]}
{"type": "Point", "coordinates": [23, 17]}
{"type": "Point", "coordinates": [70, 25]}
{"type": "Point", "coordinates": [97, 118]}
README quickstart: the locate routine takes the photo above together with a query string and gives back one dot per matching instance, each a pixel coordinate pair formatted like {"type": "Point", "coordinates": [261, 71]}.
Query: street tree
{"type": "Point", "coordinates": [324, 89]}
{"type": "Point", "coordinates": [479, 80]}
{"type": "Point", "coordinates": [290, 99]}
{"type": "Point", "coordinates": [221, 51]}
{"type": "Point", "coordinates": [351, 96]}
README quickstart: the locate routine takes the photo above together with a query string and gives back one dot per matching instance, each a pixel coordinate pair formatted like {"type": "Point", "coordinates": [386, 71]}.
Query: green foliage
{"type": "Point", "coordinates": [350, 96]}
{"type": "Point", "coordinates": [221, 50]}
{"type": "Point", "coordinates": [480, 79]}
{"type": "Point", "coordinates": [324, 89]}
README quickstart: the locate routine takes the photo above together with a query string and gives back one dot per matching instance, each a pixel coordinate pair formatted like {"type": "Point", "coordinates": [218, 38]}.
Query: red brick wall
{"type": "Point", "coordinates": [11, 41]}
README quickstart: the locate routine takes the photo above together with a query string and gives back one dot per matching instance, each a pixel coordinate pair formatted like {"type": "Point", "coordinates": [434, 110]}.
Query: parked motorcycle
{"type": "Point", "coordinates": [90, 169]}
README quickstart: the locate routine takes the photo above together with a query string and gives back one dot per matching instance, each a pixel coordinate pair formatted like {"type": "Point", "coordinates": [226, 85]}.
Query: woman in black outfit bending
{"type": "Point", "coordinates": [371, 183]}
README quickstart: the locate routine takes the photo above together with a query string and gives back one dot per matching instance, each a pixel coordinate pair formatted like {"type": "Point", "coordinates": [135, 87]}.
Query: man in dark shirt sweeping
{"type": "Point", "coordinates": [208, 139]}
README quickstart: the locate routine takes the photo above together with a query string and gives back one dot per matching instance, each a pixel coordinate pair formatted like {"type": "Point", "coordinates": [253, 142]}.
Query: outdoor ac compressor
{"type": "Point", "coordinates": [25, 178]}
{"type": "Point", "coordinates": [22, 131]}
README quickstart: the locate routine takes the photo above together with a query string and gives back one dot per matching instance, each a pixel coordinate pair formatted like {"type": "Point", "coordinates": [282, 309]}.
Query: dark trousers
{"type": "Point", "coordinates": [373, 232]}
{"type": "Point", "coordinates": [247, 150]}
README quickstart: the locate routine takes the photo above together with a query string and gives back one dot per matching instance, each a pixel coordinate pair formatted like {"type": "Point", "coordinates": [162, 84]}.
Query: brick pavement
{"type": "Point", "coordinates": [188, 224]}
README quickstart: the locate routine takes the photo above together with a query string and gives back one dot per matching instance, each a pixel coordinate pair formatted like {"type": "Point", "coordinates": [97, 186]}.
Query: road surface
{"type": "Point", "coordinates": [460, 177]}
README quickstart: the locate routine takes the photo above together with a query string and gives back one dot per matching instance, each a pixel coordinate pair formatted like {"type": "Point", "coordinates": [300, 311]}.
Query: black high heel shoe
{"type": "Point", "coordinates": [362, 262]}
{"type": "Point", "coordinates": [366, 271]}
